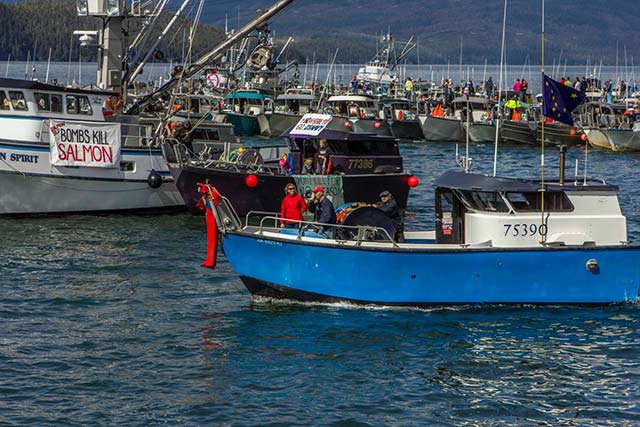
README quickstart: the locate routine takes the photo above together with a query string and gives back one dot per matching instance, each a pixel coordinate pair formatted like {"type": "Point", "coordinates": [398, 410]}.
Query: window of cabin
{"type": "Point", "coordinates": [532, 201]}
{"type": "Point", "coordinates": [488, 201]}
{"type": "Point", "coordinates": [56, 103]}
{"type": "Point", "coordinates": [43, 101]}
{"type": "Point", "coordinates": [4, 101]}
{"type": "Point", "coordinates": [17, 101]}
{"type": "Point", "coordinates": [205, 134]}
{"type": "Point", "coordinates": [79, 104]}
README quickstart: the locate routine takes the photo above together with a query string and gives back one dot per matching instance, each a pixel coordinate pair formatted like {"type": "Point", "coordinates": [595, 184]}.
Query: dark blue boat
{"type": "Point", "coordinates": [359, 167]}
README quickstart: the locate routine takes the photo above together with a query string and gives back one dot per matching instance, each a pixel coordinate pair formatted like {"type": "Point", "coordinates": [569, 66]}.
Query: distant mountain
{"type": "Point", "coordinates": [576, 30]}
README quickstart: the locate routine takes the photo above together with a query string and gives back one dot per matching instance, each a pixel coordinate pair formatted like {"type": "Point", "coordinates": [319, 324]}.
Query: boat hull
{"type": "Point", "coordinates": [35, 187]}
{"type": "Point", "coordinates": [243, 124]}
{"type": "Point", "coordinates": [407, 129]}
{"type": "Point", "coordinates": [280, 122]}
{"type": "Point", "coordinates": [482, 133]}
{"type": "Point", "coordinates": [517, 133]}
{"type": "Point", "coordinates": [615, 139]}
{"type": "Point", "coordinates": [558, 134]}
{"type": "Point", "coordinates": [432, 277]}
{"type": "Point", "coordinates": [442, 129]}
{"type": "Point", "coordinates": [267, 195]}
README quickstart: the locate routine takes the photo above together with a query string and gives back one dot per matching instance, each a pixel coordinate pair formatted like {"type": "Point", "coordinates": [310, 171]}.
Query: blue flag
{"type": "Point", "coordinates": [558, 100]}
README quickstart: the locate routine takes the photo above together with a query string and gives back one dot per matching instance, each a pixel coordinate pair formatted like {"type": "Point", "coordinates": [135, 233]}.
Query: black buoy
{"type": "Point", "coordinates": [154, 179]}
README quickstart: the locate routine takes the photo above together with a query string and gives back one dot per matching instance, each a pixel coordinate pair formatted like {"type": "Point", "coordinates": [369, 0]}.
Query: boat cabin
{"type": "Point", "coordinates": [247, 102]}
{"type": "Point", "coordinates": [603, 115]}
{"type": "Point", "coordinates": [354, 106]}
{"type": "Point", "coordinates": [480, 108]}
{"type": "Point", "coordinates": [475, 209]}
{"type": "Point", "coordinates": [22, 99]}
{"type": "Point", "coordinates": [399, 109]}
{"type": "Point", "coordinates": [349, 153]}
{"type": "Point", "coordinates": [295, 101]}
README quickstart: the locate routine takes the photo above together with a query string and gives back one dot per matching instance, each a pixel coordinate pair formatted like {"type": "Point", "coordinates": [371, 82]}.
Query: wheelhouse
{"type": "Point", "coordinates": [354, 106]}
{"type": "Point", "coordinates": [475, 209]}
{"type": "Point", "coordinates": [247, 102]}
{"type": "Point", "coordinates": [350, 152]}
{"type": "Point", "coordinates": [295, 101]}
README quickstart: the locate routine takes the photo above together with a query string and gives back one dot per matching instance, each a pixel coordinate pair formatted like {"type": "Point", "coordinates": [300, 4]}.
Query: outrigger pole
{"type": "Point", "coordinates": [215, 54]}
{"type": "Point", "coordinates": [543, 236]}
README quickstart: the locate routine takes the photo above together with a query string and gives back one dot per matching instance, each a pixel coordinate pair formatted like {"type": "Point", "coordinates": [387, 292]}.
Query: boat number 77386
{"type": "Point", "coordinates": [523, 230]}
{"type": "Point", "coordinates": [360, 164]}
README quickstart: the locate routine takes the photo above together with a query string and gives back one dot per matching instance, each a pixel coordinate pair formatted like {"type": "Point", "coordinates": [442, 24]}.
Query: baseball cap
{"type": "Point", "coordinates": [385, 193]}
{"type": "Point", "coordinates": [315, 190]}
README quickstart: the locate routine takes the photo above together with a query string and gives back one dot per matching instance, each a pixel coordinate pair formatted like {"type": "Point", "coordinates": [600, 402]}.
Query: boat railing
{"type": "Point", "coordinates": [343, 233]}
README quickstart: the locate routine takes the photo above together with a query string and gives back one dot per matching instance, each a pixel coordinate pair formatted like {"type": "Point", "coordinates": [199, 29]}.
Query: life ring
{"type": "Point", "coordinates": [213, 80]}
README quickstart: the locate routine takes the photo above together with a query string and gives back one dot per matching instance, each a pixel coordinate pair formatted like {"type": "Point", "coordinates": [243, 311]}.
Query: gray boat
{"type": "Point", "coordinates": [362, 112]}
{"type": "Point", "coordinates": [289, 108]}
{"type": "Point", "coordinates": [450, 127]}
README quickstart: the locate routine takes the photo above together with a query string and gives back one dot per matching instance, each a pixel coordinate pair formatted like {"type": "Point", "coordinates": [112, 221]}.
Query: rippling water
{"type": "Point", "coordinates": [110, 321]}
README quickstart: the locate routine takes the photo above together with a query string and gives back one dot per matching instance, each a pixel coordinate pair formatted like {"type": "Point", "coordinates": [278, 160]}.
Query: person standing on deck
{"type": "Point", "coordinates": [291, 207]}
{"type": "Point", "coordinates": [489, 87]}
{"type": "Point", "coordinates": [323, 157]}
{"type": "Point", "coordinates": [517, 86]}
{"type": "Point", "coordinates": [524, 87]}
{"type": "Point", "coordinates": [408, 88]}
{"type": "Point", "coordinates": [323, 212]}
{"type": "Point", "coordinates": [389, 207]}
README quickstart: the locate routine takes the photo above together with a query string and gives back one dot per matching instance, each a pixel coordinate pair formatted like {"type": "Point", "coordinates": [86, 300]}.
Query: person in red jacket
{"type": "Point", "coordinates": [292, 207]}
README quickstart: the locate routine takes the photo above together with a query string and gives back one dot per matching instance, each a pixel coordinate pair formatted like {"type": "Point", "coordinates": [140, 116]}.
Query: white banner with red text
{"type": "Point", "coordinates": [84, 144]}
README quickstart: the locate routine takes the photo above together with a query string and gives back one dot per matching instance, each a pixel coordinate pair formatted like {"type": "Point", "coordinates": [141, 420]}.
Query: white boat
{"type": "Point", "coordinates": [59, 154]}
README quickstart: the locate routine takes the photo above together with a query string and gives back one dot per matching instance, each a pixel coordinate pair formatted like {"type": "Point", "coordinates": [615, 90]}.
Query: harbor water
{"type": "Point", "coordinates": [111, 321]}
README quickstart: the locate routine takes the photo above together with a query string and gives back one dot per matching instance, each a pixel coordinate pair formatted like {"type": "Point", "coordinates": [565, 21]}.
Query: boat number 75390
{"type": "Point", "coordinates": [523, 230]}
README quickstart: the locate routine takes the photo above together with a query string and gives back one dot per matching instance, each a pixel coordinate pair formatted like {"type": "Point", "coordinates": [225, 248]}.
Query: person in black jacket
{"type": "Point", "coordinates": [323, 211]}
{"type": "Point", "coordinates": [389, 206]}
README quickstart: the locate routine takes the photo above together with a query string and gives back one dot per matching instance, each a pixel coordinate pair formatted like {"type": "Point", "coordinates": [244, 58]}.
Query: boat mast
{"type": "Point", "coordinates": [500, 73]}
{"type": "Point", "coordinates": [213, 55]}
{"type": "Point", "coordinates": [543, 235]}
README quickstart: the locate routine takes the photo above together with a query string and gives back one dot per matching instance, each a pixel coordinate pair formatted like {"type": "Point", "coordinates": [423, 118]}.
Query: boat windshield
{"type": "Point", "coordinates": [529, 202]}
{"type": "Point", "coordinates": [489, 201]}
{"type": "Point", "coordinates": [353, 148]}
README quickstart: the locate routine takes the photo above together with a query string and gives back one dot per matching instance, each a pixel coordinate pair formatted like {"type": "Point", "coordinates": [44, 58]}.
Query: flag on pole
{"type": "Point", "coordinates": [558, 100]}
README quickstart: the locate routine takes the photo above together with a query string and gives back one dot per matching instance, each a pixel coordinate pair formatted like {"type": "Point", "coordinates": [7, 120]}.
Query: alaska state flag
{"type": "Point", "coordinates": [558, 100]}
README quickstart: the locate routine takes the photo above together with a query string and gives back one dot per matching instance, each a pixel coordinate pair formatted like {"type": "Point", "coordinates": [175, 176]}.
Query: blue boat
{"type": "Point", "coordinates": [490, 245]}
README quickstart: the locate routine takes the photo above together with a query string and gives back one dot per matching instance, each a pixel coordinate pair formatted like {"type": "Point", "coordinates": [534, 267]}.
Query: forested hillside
{"type": "Point", "coordinates": [576, 30]}
{"type": "Point", "coordinates": [36, 26]}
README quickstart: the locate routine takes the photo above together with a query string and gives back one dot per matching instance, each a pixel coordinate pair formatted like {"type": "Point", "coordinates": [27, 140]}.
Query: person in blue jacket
{"type": "Point", "coordinates": [323, 212]}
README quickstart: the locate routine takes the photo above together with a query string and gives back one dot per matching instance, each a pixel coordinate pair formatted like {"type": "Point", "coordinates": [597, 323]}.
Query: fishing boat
{"type": "Point", "coordinates": [612, 126]}
{"type": "Point", "coordinates": [289, 109]}
{"type": "Point", "coordinates": [245, 110]}
{"type": "Point", "coordinates": [362, 111]}
{"type": "Point", "coordinates": [57, 145]}
{"type": "Point", "coordinates": [442, 127]}
{"type": "Point", "coordinates": [402, 117]}
{"type": "Point", "coordinates": [493, 243]}
{"type": "Point", "coordinates": [359, 166]}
